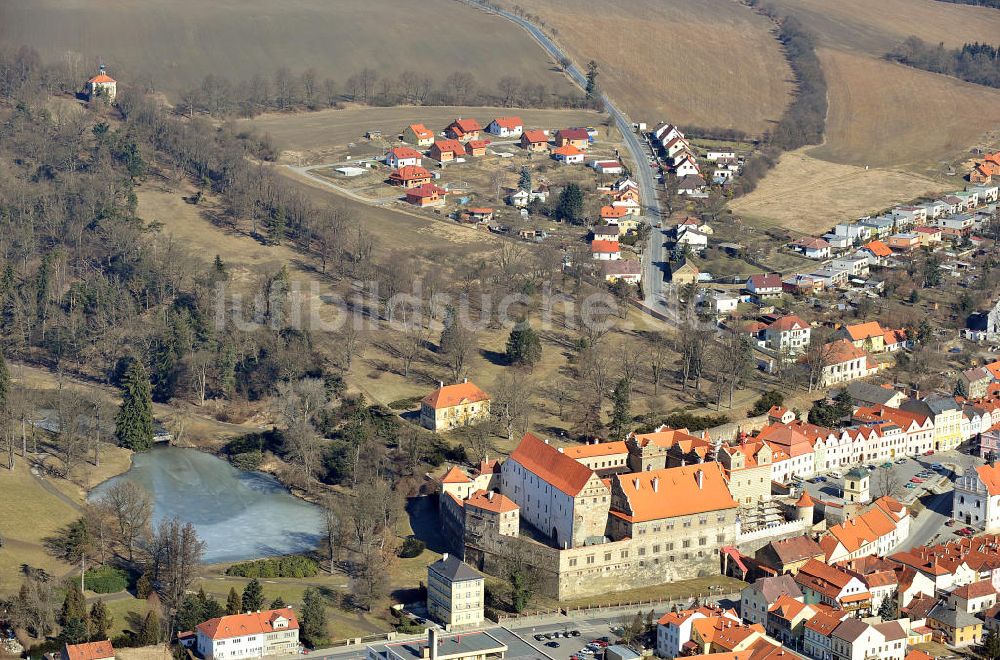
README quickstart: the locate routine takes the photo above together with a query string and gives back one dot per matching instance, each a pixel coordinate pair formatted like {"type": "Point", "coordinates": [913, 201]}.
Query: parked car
{"type": "Point", "coordinates": [539, 637]}
{"type": "Point", "coordinates": [900, 461]}
{"type": "Point", "coordinates": [911, 485]}
{"type": "Point", "coordinates": [929, 452]}
{"type": "Point", "coordinates": [574, 633]}
{"type": "Point", "coordinates": [552, 645]}
{"type": "Point", "coordinates": [916, 480]}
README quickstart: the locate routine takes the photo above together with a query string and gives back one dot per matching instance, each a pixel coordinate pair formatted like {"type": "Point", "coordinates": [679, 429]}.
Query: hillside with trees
{"type": "Point", "coordinates": [976, 63]}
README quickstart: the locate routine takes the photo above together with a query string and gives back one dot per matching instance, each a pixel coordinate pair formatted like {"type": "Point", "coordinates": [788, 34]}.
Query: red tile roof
{"type": "Point", "coordinates": [604, 247]}
{"type": "Point", "coordinates": [551, 465]}
{"type": "Point", "coordinates": [975, 590]}
{"type": "Point", "coordinates": [573, 134]}
{"type": "Point", "coordinates": [455, 476]}
{"type": "Point", "coordinates": [89, 651]}
{"type": "Point", "coordinates": [421, 131]}
{"type": "Point", "coordinates": [449, 146]}
{"type": "Point", "coordinates": [101, 78]}
{"type": "Point", "coordinates": [490, 501]}
{"type": "Point", "coordinates": [410, 173]}
{"type": "Point", "coordinates": [466, 125]}
{"type": "Point", "coordinates": [990, 476]}
{"type": "Point", "coordinates": [510, 123]}
{"type": "Point", "coordinates": [534, 136]}
{"type": "Point", "coordinates": [786, 323]}
{"type": "Point", "coordinates": [253, 623]}
{"type": "Point", "coordinates": [405, 152]}
{"type": "Point", "coordinates": [566, 150]}
{"type": "Point", "coordinates": [450, 396]}
{"type": "Point", "coordinates": [878, 248]}
{"type": "Point", "coordinates": [426, 190]}
{"type": "Point", "coordinates": [673, 492]}
{"type": "Point", "coordinates": [861, 331]}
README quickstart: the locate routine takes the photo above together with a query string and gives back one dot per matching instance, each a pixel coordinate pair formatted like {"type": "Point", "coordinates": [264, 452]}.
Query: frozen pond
{"type": "Point", "coordinates": [240, 515]}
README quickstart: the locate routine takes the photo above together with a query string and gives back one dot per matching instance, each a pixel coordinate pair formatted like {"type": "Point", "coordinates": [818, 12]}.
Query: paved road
{"type": "Point", "coordinates": [654, 256]}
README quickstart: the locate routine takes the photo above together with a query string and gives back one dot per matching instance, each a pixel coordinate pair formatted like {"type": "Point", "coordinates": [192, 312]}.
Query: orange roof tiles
{"type": "Point", "coordinates": [253, 623]}
{"type": "Point", "coordinates": [450, 396]}
{"type": "Point", "coordinates": [510, 123]}
{"type": "Point", "coordinates": [672, 492]}
{"type": "Point", "coordinates": [490, 501]}
{"type": "Point", "coordinates": [978, 589]}
{"type": "Point", "coordinates": [551, 465]}
{"type": "Point", "coordinates": [878, 248]}
{"type": "Point", "coordinates": [613, 211]}
{"type": "Point", "coordinates": [861, 530]}
{"type": "Point", "coordinates": [467, 125]}
{"type": "Point", "coordinates": [421, 131]}
{"type": "Point", "coordinates": [101, 78]}
{"type": "Point", "coordinates": [596, 449]}
{"type": "Point", "coordinates": [449, 146]}
{"type": "Point", "coordinates": [405, 152]}
{"type": "Point", "coordinates": [534, 136]}
{"type": "Point", "coordinates": [603, 247]}
{"type": "Point", "coordinates": [455, 476]}
{"type": "Point", "coordinates": [805, 500]}
{"type": "Point", "coordinates": [89, 651]}
{"type": "Point", "coordinates": [478, 144]}
{"type": "Point", "coordinates": [566, 150]}
{"type": "Point", "coordinates": [861, 331]}
{"type": "Point", "coordinates": [841, 351]}
{"type": "Point", "coordinates": [410, 173]}
{"type": "Point", "coordinates": [990, 476]}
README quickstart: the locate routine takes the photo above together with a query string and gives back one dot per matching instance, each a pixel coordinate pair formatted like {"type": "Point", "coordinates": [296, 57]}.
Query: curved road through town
{"type": "Point", "coordinates": [653, 257]}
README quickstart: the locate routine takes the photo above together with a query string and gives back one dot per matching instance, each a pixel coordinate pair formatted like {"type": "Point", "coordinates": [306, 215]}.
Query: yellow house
{"type": "Point", "coordinates": [451, 406]}
{"type": "Point", "coordinates": [954, 627]}
{"type": "Point", "coordinates": [684, 273]}
{"type": "Point", "coordinates": [419, 135]}
{"type": "Point", "coordinates": [869, 336]}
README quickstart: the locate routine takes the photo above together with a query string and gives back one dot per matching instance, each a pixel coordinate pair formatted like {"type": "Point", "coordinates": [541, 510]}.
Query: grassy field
{"type": "Point", "coordinates": [875, 27]}
{"type": "Point", "coordinates": [809, 195]}
{"type": "Point", "coordinates": [172, 46]}
{"type": "Point", "coordinates": [887, 114]}
{"type": "Point", "coordinates": [711, 63]}
{"type": "Point", "coordinates": [310, 137]}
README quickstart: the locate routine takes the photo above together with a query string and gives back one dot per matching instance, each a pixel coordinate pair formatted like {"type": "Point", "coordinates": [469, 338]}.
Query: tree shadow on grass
{"type": "Point", "coordinates": [494, 357]}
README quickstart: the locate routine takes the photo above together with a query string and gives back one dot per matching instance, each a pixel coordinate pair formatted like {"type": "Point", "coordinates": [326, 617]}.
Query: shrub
{"type": "Point", "coordinates": [247, 461]}
{"type": "Point", "coordinates": [296, 566]}
{"type": "Point", "coordinates": [412, 547]}
{"type": "Point", "coordinates": [106, 580]}
{"type": "Point", "coordinates": [766, 401]}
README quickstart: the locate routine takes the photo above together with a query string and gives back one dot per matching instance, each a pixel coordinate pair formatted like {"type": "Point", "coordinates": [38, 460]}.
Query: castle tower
{"type": "Point", "coordinates": [805, 508]}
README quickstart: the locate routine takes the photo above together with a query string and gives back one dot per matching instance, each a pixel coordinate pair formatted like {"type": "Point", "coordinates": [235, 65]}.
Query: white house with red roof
{"type": "Point", "coordinates": [605, 250]}
{"type": "Point", "coordinates": [673, 629]}
{"type": "Point", "coordinates": [764, 285]}
{"type": "Point", "coordinates": [506, 127]}
{"type": "Point", "coordinates": [403, 156]}
{"type": "Point", "coordinates": [568, 155]}
{"type": "Point", "coordinates": [813, 247]}
{"type": "Point", "coordinates": [788, 333]}
{"type": "Point", "coordinates": [464, 129]}
{"type": "Point", "coordinates": [250, 635]}
{"type": "Point", "coordinates": [846, 362]}
{"type": "Point", "coordinates": [101, 86]}
{"type": "Point", "coordinates": [101, 650]}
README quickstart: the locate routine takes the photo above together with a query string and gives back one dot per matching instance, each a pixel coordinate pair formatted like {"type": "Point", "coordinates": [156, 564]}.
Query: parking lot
{"type": "Point", "coordinates": [590, 628]}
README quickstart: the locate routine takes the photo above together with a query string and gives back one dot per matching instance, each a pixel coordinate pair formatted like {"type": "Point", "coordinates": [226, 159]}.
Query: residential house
{"type": "Point", "coordinates": [786, 620]}
{"type": "Point", "coordinates": [817, 639]}
{"type": "Point", "coordinates": [854, 639]}
{"type": "Point", "coordinates": [936, 209]}
{"type": "Point", "coordinates": [427, 195]}
{"type": "Point", "coordinates": [837, 242]}
{"type": "Point", "coordinates": [250, 635]}
{"type": "Point", "coordinates": [877, 531]}
{"type": "Point", "coordinates": [568, 155]}
{"type": "Point", "coordinates": [410, 176]}
{"type": "Point", "coordinates": [673, 629]}
{"type": "Point", "coordinates": [720, 635]}
{"type": "Point", "coordinates": [876, 252]}
{"type": "Point", "coordinates": [629, 203]}
{"type": "Point", "coordinates": [812, 248]}
{"type": "Point", "coordinates": [869, 336]}
{"type": "Point", "coordinates": [686, 166]}
{"type": "Point", "coordinates": [535, 141]}
{"type": "Point", "coordinates": [764, 286]}
{"type": "Point", "coordinates": [419, 135]}
{"type": "Point", "coordinates": [846, 362]}
{"type": "Point", "coordinates": [606, 232]}
{"type": "Point", "coordinates": [988, 193]}
{"type": "Point", "coordinates": [917, 429]}
{"type": "Point", "coordinates": [506, 127]}
{"type": "Point", "coordinates": [974, 383]}
{"type": "Point", "coordinates": [455, 593]}
{"type": "Point", "coordinates": [463, 129]}
{"type": "Point", "coordinates": [99, 650]}
{"type": "Point", "coordinates": [973, 598]}
{"type": "Point", "coordinates": [780, 415]}
{"type": "Point", "coordinates": [696, 239]}
{"type": "Point", "coordinates": [667, 132]}
{"type": "Point", "coordinates": [853, 231]}
{"type": "Point", "coordinates": [895, 340]}
{"type": "Point", "coordinates": [446, 150]}
{"type": "Point", "coordinates": [720, 302]}
{"type": "Point", "coordinates": [954, 627]}
{"type": "Point", "coordinates": [855, 265]}
{"type": "Point", "coordinates": [714, 155]}
{"type": "Point", "coordinates": [624, 270]}
{"type": "Point", "coordinates": [476, 148]}
{"type": "Point", "coordinates": [787, 334]}
{"type": "Point", "coordinates": [869, 394]}
{"type": "Point", "coordinates": [976, 499]}
{"type": "Point", "coordinates": [684, 272]}
{"type": "Point", "coordinates": [478, 215]}
{"type": "Point", "coordinates": [691, 184]}
{"type": "Point", "coordinates": [945, 414]}
{"type": "Point", "coordinates": [611, 213]}
{"type": "Point", "coordinates": [676, 147]}
{"type": "Point", "coordinates": [829, 585]}
{"type": "Point", "coordinates": [904, 242]}
{"type": "Point", "coordinates": [578, 138]}
{"type": "Point", "coordinates": [757, 598]}
{"type": "Point", "coordinates": [452, 406]}
{"type": "Point", "coordinates": [789, 555]}
{"type": "Point", "coordinates": [881, 226]}
{"type": "Point", "coordinates": [907, 216]}
{"type": "Point", "coordinates": [605, 250]}
{"type": "Point", "coordinates": [402, 156]}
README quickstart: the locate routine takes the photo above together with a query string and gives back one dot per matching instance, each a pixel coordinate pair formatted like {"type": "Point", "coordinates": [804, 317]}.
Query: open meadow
{"type": "Point", "coordinates": [711, 63]}
{"type": "Point", "coordinates": [808, 195]}
{"type": "Point", "coordinates": [171, 46]}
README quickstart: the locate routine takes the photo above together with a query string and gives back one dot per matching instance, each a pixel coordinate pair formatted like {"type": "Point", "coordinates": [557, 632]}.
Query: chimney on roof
{"type": "Point", "coordinates": [561, 450]}
{"type": "Point", "coordinates": [546, 441]}
{"type": "Point", "coordinates": [656, 484]}
{"type": "Point", "coordinates": [440, 384]}
{"type": "Point", "coordinates": [635, 482]}
{"type": "Point", "coordinates": [444, 556]}
{"type": "Point", "coordinates": [489, 495]}
{"type": "Point", "coordinates": [465, 380]}
{"type": "Point", "coordinates": [699, 476]}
